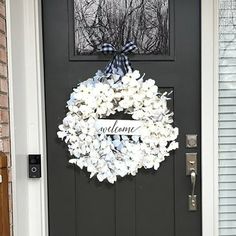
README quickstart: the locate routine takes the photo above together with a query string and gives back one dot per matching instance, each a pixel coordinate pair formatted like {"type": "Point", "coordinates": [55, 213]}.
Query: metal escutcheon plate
{"type": "Point", "coordinates": [192, 202]}
{"type": "Point", "coordinates": [191, 163]}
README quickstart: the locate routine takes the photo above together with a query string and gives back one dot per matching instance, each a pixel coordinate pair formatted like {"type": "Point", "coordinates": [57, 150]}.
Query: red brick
{"type": "Point", "coordinates": [3, 85]}
{"type": "Point", "coordinates": [3, 41]}
{"type": "Point", "coordinates": [3, 70]}
{"type": "Point", "coordinates": [10, 203]}
{"type": "Point", "coordinates": [4, 116]}
{"type": "Point", "coordinates": [2, 9]}
{"type": "Point", "coordinates": [11, 225]}
{"type": "Point", "coordinates": [9, 187]}
{"type": "Point", "coordinates": [4, 130]}
{"type": "Point", "coordinates": [3, 55]}
{"type": "Point", "coordinates": [8, 160]}
{"type": "Point", "coordinates": [3, 100]}
{"type": "Point", "coordinates": [9, 176]}
{"type": "Point", "coordinates": [2, 24]}
{"type": "Point", "coordinates": [6, 145]}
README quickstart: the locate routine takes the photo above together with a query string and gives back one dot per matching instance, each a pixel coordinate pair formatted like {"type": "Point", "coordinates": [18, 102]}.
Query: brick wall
{"type": "Point", "coordinates": [4, 100]}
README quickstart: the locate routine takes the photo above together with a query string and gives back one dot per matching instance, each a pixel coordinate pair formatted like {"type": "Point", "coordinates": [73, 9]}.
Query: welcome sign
{"type": "Point", "coordinates": [119, 127]}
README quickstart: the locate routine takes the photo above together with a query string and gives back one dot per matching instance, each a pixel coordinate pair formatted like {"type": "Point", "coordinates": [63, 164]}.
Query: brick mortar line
{"type": "Point", "coordinates": [7, 153]}
{"type": "Point", "coordinates": [4, 108]}
{"type": "Point", "coordinates": [3, 34]}
{"type": "Point", "coordinates": [5, 138]}
{"type": "Point", "coordinates": [3, 62]}
{"type": "Point", "coordinates": [4, 123]}
{"type": "Point", "coordinates": [3, 47]}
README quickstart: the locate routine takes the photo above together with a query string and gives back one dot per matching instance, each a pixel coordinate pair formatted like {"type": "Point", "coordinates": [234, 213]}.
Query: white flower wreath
{"type": "Point", "coordinates": [110, 156]}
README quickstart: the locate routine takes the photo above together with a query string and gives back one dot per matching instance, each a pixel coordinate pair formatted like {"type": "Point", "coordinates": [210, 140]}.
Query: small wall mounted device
{"type": "Point", "coordinates": [34, 166]}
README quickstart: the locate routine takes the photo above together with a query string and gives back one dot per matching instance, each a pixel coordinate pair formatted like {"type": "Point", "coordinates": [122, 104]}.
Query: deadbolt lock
{"type": "Point", "coordinates": [191, 140]}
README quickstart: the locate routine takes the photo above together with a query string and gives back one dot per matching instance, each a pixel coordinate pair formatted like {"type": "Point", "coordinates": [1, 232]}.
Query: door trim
{"type": "Point", "coordinates": [27, 113]}
{"type": "Point", "coordinates": [209, 103]}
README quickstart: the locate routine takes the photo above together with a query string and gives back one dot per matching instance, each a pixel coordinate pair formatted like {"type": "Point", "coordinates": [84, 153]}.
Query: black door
{"type": "Point", "coordinates": [153, 202]}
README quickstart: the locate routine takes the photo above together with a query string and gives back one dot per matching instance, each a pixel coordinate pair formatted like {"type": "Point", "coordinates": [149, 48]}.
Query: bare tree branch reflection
{"type": "Point", "coordinates": [145, 22]}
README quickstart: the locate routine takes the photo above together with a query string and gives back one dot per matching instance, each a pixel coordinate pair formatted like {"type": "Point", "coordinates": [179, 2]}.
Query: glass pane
{"type": "Point", "coordinates": [145, 22]}
{"type": "Point", "coordinates": [227, 117]}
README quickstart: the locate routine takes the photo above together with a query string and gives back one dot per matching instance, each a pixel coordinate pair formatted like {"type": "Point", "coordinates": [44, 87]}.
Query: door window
{"type": "Point", "coordinates": [227, 117]}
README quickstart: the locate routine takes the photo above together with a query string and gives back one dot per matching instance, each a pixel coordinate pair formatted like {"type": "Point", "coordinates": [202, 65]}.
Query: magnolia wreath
{"type": "Point", "coordinates": [110, 156]}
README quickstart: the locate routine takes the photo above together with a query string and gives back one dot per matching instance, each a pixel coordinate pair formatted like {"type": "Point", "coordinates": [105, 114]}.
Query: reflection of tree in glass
{"type": "Point", "coordinates": [227, 23]}
{"type": "Point", "coordinates": [145, 22]}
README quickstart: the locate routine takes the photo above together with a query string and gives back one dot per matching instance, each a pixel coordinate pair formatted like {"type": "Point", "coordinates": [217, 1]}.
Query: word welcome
{"type": "Point", "coordinates": [119, 127]}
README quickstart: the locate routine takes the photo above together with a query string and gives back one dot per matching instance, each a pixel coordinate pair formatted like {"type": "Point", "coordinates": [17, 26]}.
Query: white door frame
{"type": "Point", "coordinates": [25, 60]}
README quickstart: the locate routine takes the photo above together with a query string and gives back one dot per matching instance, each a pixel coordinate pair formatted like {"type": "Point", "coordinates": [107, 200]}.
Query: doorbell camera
{"type": "Point", "coordinates": [34, 166]}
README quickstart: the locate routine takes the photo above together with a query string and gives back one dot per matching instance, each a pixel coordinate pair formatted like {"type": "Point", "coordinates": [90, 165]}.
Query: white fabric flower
{"type": "Point", "coordinates": [110, 156]}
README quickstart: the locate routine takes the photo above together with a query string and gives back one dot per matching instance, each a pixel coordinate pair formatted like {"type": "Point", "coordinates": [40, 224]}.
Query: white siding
{"type": "Point", "coordinates": [227, 118]}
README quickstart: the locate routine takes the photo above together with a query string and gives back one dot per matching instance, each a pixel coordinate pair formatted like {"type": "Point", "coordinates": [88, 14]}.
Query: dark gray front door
{"type": "Point", "coordinates": [154, 203]}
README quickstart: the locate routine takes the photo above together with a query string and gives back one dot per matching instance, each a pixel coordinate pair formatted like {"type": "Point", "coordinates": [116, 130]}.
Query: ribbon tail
{"type": "Point", "coordinates": [126, 64]}
{"type": "Point", "coordinates": [109, 67]}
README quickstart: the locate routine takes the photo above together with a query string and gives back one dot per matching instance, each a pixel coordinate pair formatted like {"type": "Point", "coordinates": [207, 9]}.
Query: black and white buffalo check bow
{"type": "Point", "coordinates": [120, 61]}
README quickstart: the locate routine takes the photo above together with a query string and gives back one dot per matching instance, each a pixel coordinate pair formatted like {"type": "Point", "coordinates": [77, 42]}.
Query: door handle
{"type": "Point", "coordinates": [193, 198]}
{"type": "Point", "coordinates": [193, 181]}
{"type": "Point", "coordinates": [191, 170]}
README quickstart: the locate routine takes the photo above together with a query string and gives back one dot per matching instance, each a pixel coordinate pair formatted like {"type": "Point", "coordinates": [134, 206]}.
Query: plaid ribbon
{"type": "Point", "coordinates": [120, 60]}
